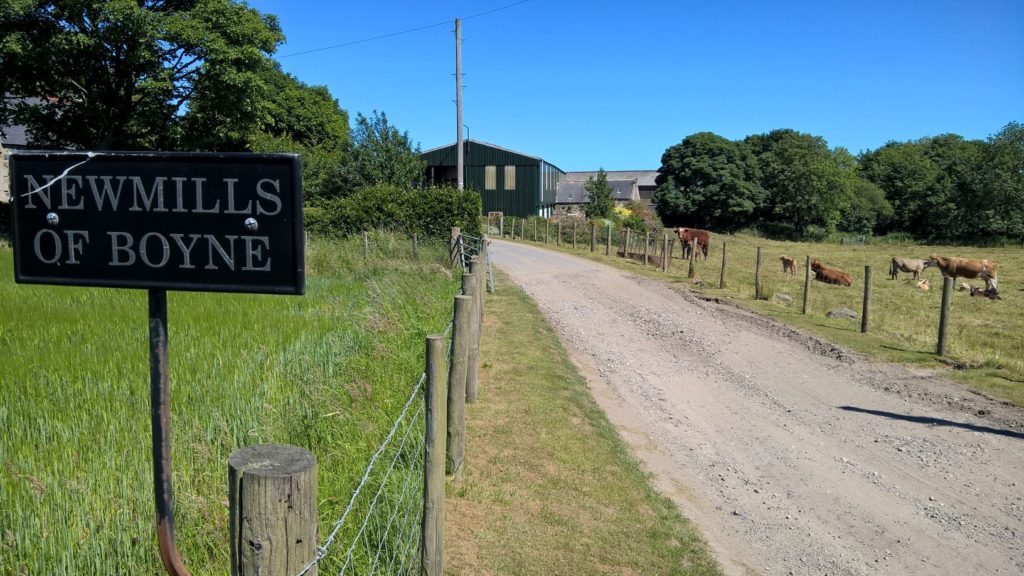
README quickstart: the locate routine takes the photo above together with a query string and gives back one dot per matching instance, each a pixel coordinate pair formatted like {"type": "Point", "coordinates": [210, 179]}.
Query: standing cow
{"type": "Point", "coordinates": [702, 238]}
{"type": "Point", "coordinates": [956, 267]}
{"type": "Point", "coordinates": [913, 265]}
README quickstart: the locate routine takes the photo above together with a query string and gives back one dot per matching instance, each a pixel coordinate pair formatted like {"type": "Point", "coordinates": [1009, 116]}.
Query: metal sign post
{"type": "Point", "coordinates": [159, 221]}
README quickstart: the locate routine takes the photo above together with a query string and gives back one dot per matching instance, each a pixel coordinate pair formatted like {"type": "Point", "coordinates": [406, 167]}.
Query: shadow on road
{"type": "Point", "coordinates": [937, 422]}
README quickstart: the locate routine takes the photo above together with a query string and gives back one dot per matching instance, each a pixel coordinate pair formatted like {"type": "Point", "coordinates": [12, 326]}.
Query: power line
{"type": "Point", "coordinates": [409, 31]}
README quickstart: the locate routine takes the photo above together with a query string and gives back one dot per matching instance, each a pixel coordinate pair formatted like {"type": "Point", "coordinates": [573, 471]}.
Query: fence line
{"type": "Point", "coordinates": [388, 538]}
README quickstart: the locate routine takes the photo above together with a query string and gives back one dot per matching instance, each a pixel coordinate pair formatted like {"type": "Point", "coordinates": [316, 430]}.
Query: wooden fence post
{"type": "Point", "coordinates": [432, 533]}
{"type": "Point", "coordinates": [415, 246]}
{"type": "Point", "coordinates": [574, 222]}
{"type": "Point", "coordinates": [947, 300]}
{"type": "Point", "coordinates": [476, 313]}
{"type": "Point", "coordinates": [558, 238]}
{"type": "Point", "coordinates": [647, 245]}
{"type": "Point", "coordinates": [272, 509]}
{"type": "Point", "coordinates": [664, 254]}
{"type": "Point", "coordinates": [608, 241]}
{"type": "Point", "coordinates": [757, 276]}
{"type": "Point", "coordinates": [625, 249]}
{"type": "Point", "coordinates": [547, 228]}
{"type": "Point", "coordinates": [535, 229]}
{"type": "Point", "coordinates": [366, 244]}
{"type": "Point", "coordinates": [865, 314]}
{"type": "Point", "coordinates": [721, 275]}
{"type": "Point", "coordinates": [807, 284]}
{"type": "Point", "coordinates": [593, 237]}
{"type": "Point", "coordinates": [522, 230]}
{"type": "Point", "coordinates": [453, 243]}
{"type": "Point", "coordinates": [457, 377]}
{"type": "Point", "coordinates": [501, 225]}
{"type": "Point", "coordinates": [692, 272]}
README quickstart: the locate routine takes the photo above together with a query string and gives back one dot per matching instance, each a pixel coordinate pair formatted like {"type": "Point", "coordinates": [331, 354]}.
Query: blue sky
{"type": "Point", "coordinates": [612, 84]}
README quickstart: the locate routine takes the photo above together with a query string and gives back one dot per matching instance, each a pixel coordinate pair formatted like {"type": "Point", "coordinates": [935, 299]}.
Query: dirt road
{"type": "Point", "coordinates": [793, 456]}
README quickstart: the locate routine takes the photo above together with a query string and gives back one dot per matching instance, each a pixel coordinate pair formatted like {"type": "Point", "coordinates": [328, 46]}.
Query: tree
{"type": "Point", "coordinates": [601, 204]}
{"type": "Point", "coordinates": [803, 180]}
{"type": "Point", "coordinates": [383, 155]}
{"type": "Point", "coordinates": [707, 181]}
{"type": "Point", "coordinates": [306, 120]}
{"type": "Point", "coordinates": [1001, 213]}
{"type": "Point", "coordinates": [150, 74]}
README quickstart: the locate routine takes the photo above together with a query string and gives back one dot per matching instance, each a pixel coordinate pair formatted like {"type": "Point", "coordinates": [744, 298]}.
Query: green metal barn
{"type": "Point", "coordinates": [511, 182]}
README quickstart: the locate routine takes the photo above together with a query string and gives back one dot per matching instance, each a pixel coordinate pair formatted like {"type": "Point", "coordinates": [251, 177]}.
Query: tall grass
{"type": "Point", "coordinates": [327, 371]}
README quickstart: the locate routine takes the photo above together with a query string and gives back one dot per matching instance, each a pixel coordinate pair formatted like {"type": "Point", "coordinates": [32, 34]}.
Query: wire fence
{"type": "Point", "coordinates": [385, 510]}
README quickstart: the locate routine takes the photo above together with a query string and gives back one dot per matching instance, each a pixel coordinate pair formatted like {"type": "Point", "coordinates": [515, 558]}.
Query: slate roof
{"type": "Point", "coordinates": [643, 177]}
{"type": "Point", "coordinates": [574, 192]}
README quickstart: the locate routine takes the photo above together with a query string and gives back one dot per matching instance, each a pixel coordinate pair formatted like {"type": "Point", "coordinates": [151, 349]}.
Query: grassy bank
{"type": "Point", "coordinates": [548, 486]}
{"type": "Point", "coordinates": [985, 342]}
{"type": "Point", "coordinates": [327, 371]}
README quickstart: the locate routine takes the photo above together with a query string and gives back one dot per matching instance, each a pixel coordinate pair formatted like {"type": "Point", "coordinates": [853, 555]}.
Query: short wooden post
{"type": "Point", "coordinates": [366, 244]}
{"type": "Point", "coordinates": [647, 245]}
{"type": "Point", "coordinates": [608, 241]}
{"type": "Point", "coordinates": [522, 230]}
{"type": "Point", "coordinates": [721, 275]}
{"type": "Point", "coordinates": [692, 272]}
{"type": "Point", "coordinates": [432, 533]}
{"type": "Point", "coordinates": [547, 228]}
{"type": "Point", "coordinates": [473, 353]}
{"type": "Point", "coordinates": [272, 509]}
{"type": "Point", "coordinates": [415, 246]}
{"type": "Point", "coordinates": [671, 249]}
{"type": "Point", "coordinates": [593, 237]}
{"type": "Point", "coordinates": [865, 314]}
{"type": "Point", "coordinates": [558, 238]}
{"type": "Point", "coordinates": [757, 276]}
{"type": "Point", "coordinates": [625, 249]}
{"type": "Point", "coordinates": [947, 300]}
{"type": "Point", "coordinates": [535, 229]}
{"type": "Point", "coordinates": [457, 377]}
{"type": "Point", "coordinates": [574, 222]}
{"type": "Point", "coordinates": [453, 244]}
{"type": "Point", "coordinates": [664, 254]}
{"type": "Point", "coordinates": [501, 226]}
{"type": "Point", "coordinates": [807, 285]}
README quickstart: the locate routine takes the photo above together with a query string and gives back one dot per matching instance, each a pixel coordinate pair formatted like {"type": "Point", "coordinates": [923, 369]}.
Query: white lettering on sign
{"type": "Point", "coordinates": [49, 247]}
{"type": "Point", "coordinates": [158, 251]}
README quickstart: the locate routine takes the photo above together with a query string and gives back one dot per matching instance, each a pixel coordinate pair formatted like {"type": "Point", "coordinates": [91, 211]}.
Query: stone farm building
{"type": "Point", "coordinates": [521, 185]}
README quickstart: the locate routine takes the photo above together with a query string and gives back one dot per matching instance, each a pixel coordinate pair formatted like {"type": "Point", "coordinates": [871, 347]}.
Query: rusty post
{"type": "Point", "coordinates": [160, 412]}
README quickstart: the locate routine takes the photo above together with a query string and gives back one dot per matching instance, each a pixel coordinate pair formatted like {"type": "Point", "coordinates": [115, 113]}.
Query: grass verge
{"type": "Point", "coordinates": [548, 485]}
{"type": "Point", "coordinates": [985, 340]}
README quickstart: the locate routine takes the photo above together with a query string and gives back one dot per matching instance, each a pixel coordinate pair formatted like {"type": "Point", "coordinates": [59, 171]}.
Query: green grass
{"type": "Point", "coordinates": [985, 338]}
{"type": "Point", "coordinates": [548, 486]}
{"type": "Point", "coordinates": [327, 371]}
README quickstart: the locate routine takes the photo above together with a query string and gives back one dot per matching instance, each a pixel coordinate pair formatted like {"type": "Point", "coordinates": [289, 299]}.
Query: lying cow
{"type": "Point", "coordinates": [702, 238]}
{"type": "Point", "coordinates": [956, 267]}
{"type": "Point", "coordinates": [788, 265]}
{"type": "Point", "coordinates": [913, 265]}
{"type": "Point", "coordinates": [829, 274]}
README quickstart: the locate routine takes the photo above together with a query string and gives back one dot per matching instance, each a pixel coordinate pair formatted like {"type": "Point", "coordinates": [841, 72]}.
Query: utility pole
{"type": "Point", "coordinates": [458, 101]}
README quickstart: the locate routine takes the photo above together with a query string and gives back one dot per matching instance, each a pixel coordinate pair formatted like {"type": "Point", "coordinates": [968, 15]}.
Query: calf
{"type": "Point", "coordinates": [912, 265]}
{"type": "Point", "coordinates": [829, 274]}
{"type": "Point", "coordinates": [956, 267]}
{"type": "Point", "coordinates": [702, 238]}
{"type": "Point", "coordinates": [788, 265]}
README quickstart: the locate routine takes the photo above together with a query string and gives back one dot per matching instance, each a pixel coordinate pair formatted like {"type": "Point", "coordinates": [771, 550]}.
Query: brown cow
{"type": "Point", "coordinates": [788, 265]}
{"type": "Point", "coordinates": [702, 237]}
{"type": "Point", "coordinates": [956, 267]}
{"type": "Point", "coordinates": [829, 274]}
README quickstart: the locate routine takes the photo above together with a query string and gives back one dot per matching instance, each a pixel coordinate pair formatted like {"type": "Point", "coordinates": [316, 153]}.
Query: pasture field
{"type": "Point", "coordinates": [985, 338]}
{"type": "Point", "coordinates": [327, 371]}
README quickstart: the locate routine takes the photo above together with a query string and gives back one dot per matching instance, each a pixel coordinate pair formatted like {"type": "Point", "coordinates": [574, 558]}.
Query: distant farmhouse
{"type": "Point", "coordinates": [522, 185]}
{"type": "Point", "coordinates": [11, 138]}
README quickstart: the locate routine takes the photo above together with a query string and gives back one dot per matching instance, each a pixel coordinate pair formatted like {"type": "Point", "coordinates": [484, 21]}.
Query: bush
{"type": "Point", "coordinates": [429, 212]}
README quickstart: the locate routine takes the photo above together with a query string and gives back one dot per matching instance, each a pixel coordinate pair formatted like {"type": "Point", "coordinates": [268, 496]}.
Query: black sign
{"type": "Point", "coordinates": [173, 221]}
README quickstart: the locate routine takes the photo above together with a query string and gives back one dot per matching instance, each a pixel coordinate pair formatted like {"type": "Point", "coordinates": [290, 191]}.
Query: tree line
{"type": "Point", "coordinates": [791, 185]}
{"type": "Point", "coordinates": [197, 76]}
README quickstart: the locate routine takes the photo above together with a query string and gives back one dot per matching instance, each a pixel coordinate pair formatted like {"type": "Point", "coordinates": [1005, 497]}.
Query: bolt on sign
{"type": "Point", "coordinates": [170, 221]}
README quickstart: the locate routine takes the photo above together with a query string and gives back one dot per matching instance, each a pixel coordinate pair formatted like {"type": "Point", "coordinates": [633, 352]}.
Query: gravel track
{"type": "Point", "coordinates": [793, 456]}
